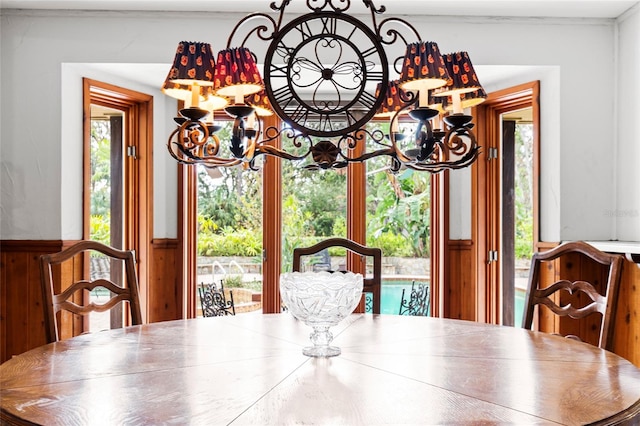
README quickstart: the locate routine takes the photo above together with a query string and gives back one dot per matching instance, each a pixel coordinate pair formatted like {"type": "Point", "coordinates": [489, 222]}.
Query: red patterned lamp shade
{"type": "Point", "coordinates": [463, 80]}
{"type": "Point", "coordinates": [393, 101]}
{"type": "Point", "coordinates": [193, 67]}
{"type": "Point", "coordinates": [423, 69]}
{"type": "Point", "coordinates": [260, 102]}
{"type": "Point", "coordinates": [236, 74]}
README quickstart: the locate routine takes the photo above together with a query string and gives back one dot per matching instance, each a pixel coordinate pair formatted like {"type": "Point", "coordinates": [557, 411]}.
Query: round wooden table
{"type": "Point", "coordinates": [249, 369]}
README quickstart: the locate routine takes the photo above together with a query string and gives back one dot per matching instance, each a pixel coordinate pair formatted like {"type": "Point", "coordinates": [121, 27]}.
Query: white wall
{"type": "Point", "coordinates": [40, 193]}
{"type": "Point", "coordinates": [164, 167]}
{"type": "Point", "coordinates": [626, 211]}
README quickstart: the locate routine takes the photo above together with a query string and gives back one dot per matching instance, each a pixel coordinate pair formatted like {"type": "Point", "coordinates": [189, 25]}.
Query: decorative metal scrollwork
{"type": "Point", "coordinates": [419, 300]}
{"type": "Point", "coordinates": [213, 301]}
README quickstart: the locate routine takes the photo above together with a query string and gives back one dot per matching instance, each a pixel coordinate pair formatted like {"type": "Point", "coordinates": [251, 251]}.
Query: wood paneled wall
{"type": "Point", "coordinates": [463, 298]}
{"type": "Point", "coordinates": [461, 289]}
{"type": "Point", "coordinates": [572, 267]}
{"type": "Point", "coordinates": [627, 322]}
{"type": "Point", "coordinates": [166, 291]}
{"type": "Point", "coordinates": [21, 312]}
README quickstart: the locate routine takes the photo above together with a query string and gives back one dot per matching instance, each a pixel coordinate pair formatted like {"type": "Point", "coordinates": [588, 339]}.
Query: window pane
{"type": "Point", "coordinates": [230, 231]}
{"type": "Point", "coordinates": [314, 208]}
{"type": "Point", "coordinates": [398, 222]}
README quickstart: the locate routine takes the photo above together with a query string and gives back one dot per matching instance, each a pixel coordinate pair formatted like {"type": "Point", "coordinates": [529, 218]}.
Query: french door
{"type": "Point", "coordinates": [509, 127]}
{"type": "Point", "coordinates": [117, 185]}
{"type": "Point", "coordinates": [273, 257]}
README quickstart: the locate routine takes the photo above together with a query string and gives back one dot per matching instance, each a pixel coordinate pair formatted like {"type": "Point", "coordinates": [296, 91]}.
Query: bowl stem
{"type": "Point", "coordinates": [321, 337]}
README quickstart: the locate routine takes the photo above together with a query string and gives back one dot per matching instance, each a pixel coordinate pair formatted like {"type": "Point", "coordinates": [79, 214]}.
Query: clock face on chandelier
{"type": "Point", "coordinates": [321, 73]}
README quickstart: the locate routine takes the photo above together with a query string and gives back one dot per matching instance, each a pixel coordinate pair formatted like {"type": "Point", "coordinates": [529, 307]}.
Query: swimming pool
{"type": "Point", "coordinates": [392, 293]}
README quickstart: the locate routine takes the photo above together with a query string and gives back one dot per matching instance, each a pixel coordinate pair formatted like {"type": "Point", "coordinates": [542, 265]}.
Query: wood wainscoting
{"type": "Point", "coordinates": [466, 299]}
{"type": "Point", "coordinates": [165, 292]}
{"type": "Point", "coordinates": [21, 312]}
{"type": "Point", "coordinates": [627, 322]}
{"type": "Point", "coordinates": [461, 290]}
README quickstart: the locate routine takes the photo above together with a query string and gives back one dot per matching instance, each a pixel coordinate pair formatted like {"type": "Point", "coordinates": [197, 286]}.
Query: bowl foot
{"type": "Point", "coordinates": [321, 351]}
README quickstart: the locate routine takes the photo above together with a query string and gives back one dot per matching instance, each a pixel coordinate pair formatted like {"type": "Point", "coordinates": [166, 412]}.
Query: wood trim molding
{"type": "Point", "coordinates": [50, 246]}
{"type": "Point", "coordinates": [21, 313]}
{"type": "Point", "coordinates": [165, 243]}
{"type": "Point", "coordinates": [271, 228]}
{"type": "Point", "coordinates": [461, 285]}
{"type": "Point", "coordinates": [460, 244]}
{"type": "Point", "coordinates": [138, 181]}
{"type": "Point", "coordinates": [188, 233]}
{"type": "Point", "coordinates": [356, 214]}
{"type": "Point", "coordinates": [439, 240]}
{"type": "Point", "coordinates": [486, 223]}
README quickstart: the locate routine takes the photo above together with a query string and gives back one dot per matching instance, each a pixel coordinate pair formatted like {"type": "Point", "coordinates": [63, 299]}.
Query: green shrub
{"type": "Point", "coordinates": [100, 226]}
{"type": "Point", "coordinates": [233, 281]}
{"type": "Point", "coordinates": [392, 245]}
{"type": "Point", "coordinates": [245, 242]}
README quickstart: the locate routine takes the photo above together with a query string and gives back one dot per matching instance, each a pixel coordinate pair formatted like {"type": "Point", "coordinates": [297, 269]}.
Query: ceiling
{"type": "Point", "coordinates": [511, 8]}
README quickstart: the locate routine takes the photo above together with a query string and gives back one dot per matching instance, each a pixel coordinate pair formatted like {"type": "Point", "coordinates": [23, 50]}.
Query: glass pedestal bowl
{"type": "Point", "coordinates": [321, 300]}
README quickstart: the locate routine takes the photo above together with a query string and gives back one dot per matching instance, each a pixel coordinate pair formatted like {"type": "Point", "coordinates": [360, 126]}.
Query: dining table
{"type": "Point", "coordinates": [249, 369]}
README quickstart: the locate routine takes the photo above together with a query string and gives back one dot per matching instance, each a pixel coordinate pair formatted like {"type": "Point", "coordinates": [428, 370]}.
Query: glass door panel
{"type": "Point", "coordinates": [106, 195]}
{"type": "Point", "coordinates": [398, 222]}
{"type": "Point", "coordinates": [314, 208]}
{"type": "Point", "coordinates": [229, 238]}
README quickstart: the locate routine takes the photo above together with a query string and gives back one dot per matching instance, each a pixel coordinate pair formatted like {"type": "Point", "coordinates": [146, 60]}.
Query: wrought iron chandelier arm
{"type": "Point", "coordinates": [273, 133]}
{"type": "Point", "coordinates": [369, 4]}
{"type": "Point", "coordinates": [279, 8]}
{"type": "Point", "coordinates": [437, 167]}
{"type": "Point", "coordinates": [259, 30]}
{"type": "Point", "coordinates": [189, 159]}
{"type": "Point", "coordinates": [394, 33]}
{"type": "Point", "coordinates": [264, 149]}
{"type": "Point", "coordinates": [377, 136]}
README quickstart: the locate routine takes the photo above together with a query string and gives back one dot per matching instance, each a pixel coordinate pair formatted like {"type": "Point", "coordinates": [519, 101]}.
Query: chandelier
{"type": "Point", "coordinates": [325, 75]}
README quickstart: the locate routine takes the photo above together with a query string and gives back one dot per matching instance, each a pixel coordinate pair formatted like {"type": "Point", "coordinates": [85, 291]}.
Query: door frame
{"type": "Point", "coordinates": [138, 169]}
{"type": "Point", "coordinates": [487, 223]}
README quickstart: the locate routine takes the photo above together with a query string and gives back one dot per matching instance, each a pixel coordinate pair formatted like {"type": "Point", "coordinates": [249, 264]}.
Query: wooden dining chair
{"type": "Point", "coordinates": [65, 288]}
{"type": "Point", "coordinates": [577, 281]}
{"type": "Point", "coordinates": [372, 285]}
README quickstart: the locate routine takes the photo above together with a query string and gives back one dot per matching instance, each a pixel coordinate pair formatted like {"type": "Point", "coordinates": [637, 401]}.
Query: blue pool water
{"type": "Point", "coordinates": [392, 293]}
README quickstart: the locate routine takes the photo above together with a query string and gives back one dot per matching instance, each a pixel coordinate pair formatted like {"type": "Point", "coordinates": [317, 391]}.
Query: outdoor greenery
{"type": "Point", "coordinates": [524, 191]}
{"type": "Point", "coordinates": [100, 181]}
{"type": "Point", "coordinates": [314, 204]}
{"type": "Point", "coordinates": [314, 207]}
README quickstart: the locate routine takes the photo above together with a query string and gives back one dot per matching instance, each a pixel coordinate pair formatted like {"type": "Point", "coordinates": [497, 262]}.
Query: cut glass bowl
{"type": "Point", "coordinates": [321, 300]}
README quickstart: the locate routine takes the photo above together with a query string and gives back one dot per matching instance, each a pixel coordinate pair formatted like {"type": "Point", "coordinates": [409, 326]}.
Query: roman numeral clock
{"type": "Point", "coordinates": [321, 73]}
